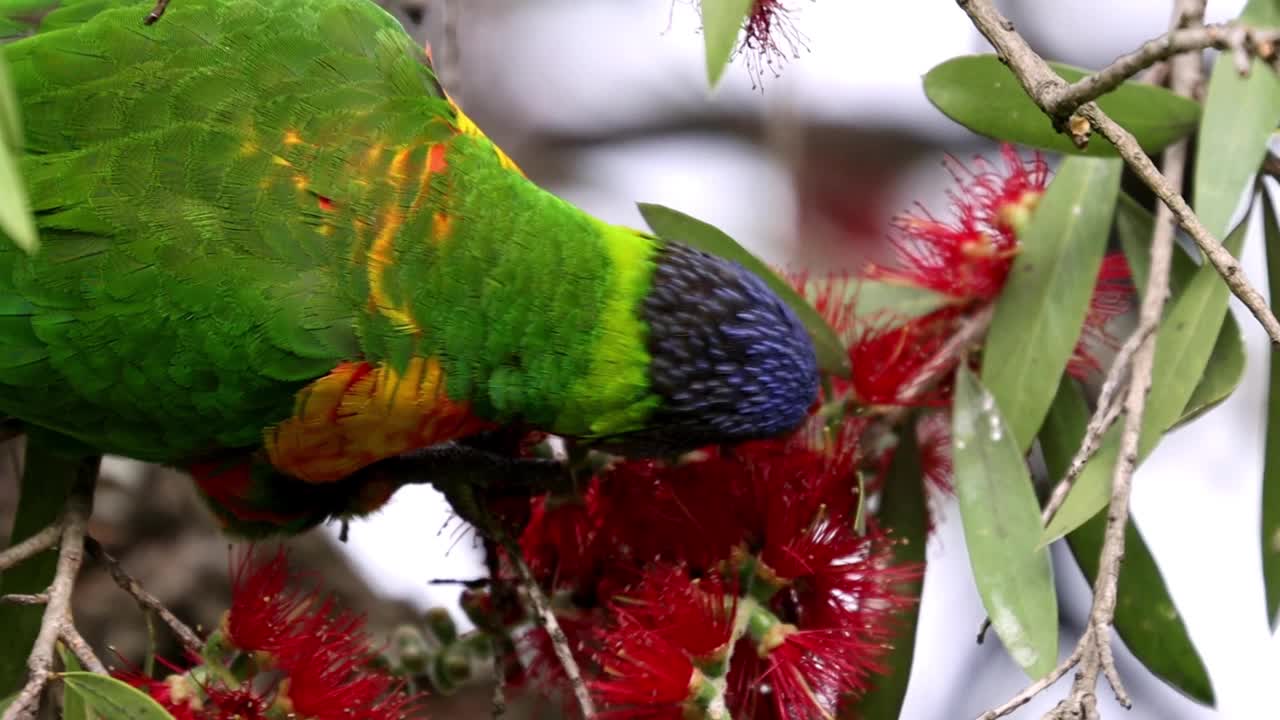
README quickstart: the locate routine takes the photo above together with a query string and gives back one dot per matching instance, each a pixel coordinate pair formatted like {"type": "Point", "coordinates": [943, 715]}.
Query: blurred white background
{"type": "Point", "coordinates": [605, 102]}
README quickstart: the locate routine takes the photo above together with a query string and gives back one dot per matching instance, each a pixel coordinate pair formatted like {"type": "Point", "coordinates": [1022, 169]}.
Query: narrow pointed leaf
{"type": "Point", "coordinates": [114, 699]}
{"type": "Point", "coordinates": [722, 20]}
{"type": "Point", "coordinates": [1271, 463]}
{"type": "Point", "coordinates": [73, 707]}
{"type": "Point", "coordinates": [1240, 113]}
{"type": "Point", "coordinates": [1146, 618]}
{"type": "Point", "coordinates": [981, 93]}
{"type": "Point", "coordinates": [1184, 344]}
{"type": "Point", "coordinates": [1001, 518]}
{"type": "Point", "coordinates": [1042, 307]}
{"type": "Point", "coordinates": [905, 514]}
{"type": "Point", "coordinates": [1222, 374]}
{"type": "Point", "coordinates": [674, 225]}
{"type": "Point", "coordinates": [1225, 369]}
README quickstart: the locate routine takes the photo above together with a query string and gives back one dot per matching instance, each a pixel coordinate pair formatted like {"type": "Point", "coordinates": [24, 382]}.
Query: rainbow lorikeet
{"type": "Point", "coordinates": [275, 252]}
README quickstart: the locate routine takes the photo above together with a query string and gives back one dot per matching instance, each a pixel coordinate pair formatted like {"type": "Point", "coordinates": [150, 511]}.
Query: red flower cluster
{"type": "Point", "coordinates": [770, 36]}
{"type": "Point", "coordinates": [294, 653]}
{"type": "Point", "coordinates": [735, 580]}
{"type": "Point", "coordinates": [908, 361]}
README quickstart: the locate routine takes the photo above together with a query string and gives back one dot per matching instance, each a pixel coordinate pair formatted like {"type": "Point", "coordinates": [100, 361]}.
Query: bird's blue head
{"type": "Point", "coordinates": [729, 359]}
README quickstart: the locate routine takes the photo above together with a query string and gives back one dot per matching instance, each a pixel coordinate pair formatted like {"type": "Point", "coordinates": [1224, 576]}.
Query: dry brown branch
{"type": "Point", "coordinates": [1036, 687]}
{"type": "Point", "coordinates": [75, 642]}
{"type": "Point", "coordinates": [145, 600]}
{"type": "Point", "coordinates": [1104, 416]}
{"type": "Point", "coordinates": [1044, 86]}
{"type": "Point", "coordinates": [1235, 37]}
{"type": "Point", "coordinates": [971, 330]}
{"type": "Point", "coordinates": [57, 613]}
{"type": "Point", "coordinates": [30, 547]}
{"type": "Point", "coordinates": [1093, 652]}
{"type": "Point", "coordinates": [19, 599]}
{"type": "Point", "coordinates": [547, 619]}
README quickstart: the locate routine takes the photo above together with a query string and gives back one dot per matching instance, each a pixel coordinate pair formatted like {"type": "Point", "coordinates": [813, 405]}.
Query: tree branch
{"type": "Point", "coordinates": [145, 599]}
{"type": "Point", "coordinates": [1093, 652]}
{"type": "Point", "coordinates": [20, 599]}
{"type": "Point", "coordinates": [57, 613]}
{"type": "Point", "coordinates": [1044, 86]}
{"type": "Point", "coordinates": [1104, 416]}
{"type": "Point", "coordinates": [30, 547]}
{"type": "Point", "coordinates": [1238, 38]}
{"type": "Point", "coordinates": [1036, 687]}
{"type": "Point", "coordinates": [547, 619]}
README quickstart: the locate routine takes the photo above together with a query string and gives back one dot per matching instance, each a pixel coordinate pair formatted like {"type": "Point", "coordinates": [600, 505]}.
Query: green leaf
{"type": "Point", "coordinates": [1183, 348]}
{"type": "Point", "coordinates": [1225, 369]}
{"type": "Point", "coordinates": [1271, 463]}
{"type": "Point", "coordinates": [73, 707]}
{"type": "Point", "coordinates": [980, 93]}
{"type": "Point", "coordinates": [6, 702]}
{"type": "Point", "coordinates": [674, 225]}
{"type": "Point", "coordinates": [1001, 518]}
{"type": "Point", "coordinates": [47, 479]}
{"type": "Point", "coordinates": [1134, 227]}
{"type": "Point", "coordinates": [722, 20]}
{"type": "Point", "coordinates": [904, 513]}
{"type": "Point", "coordinates": [15, 210]}
{"type": "Point", "coordinates": [1145, 618]}
{"type": "Point", "coordinates": [1239, 116]}
{"type": "Point", "coordinates": [1222, 374]}
{"type": "Point", "coordinates": [114, 699]}
{"type": "Point", "coordinates": [1042, 307]}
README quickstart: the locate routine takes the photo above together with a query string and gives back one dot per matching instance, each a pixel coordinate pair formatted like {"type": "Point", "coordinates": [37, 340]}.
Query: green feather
{"type": "Point", "coordinates": [211, 192]}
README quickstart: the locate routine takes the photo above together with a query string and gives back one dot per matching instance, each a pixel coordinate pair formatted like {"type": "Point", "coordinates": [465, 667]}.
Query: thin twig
{"type": "Point", "coordinates": [1104, 416]}
{"type": "Point", "coordinates": [19, 599]}
{"type": "Point", "coordinates": [498, 700]}
{"type": "Point", "coordinates": [76, 643]}
{"type": "Point", "coordinates": [1225, 36]}
{"type": "Point", "coordinates": [30, 547]}
{"type": "Point", "coordinates": [57, 612]}
{"type": "Point", "coordinates": [1036, 687]}
{"type": "Point", "coordinates": [1093, 652]}
{"type": "Point", "coordinates": [1043, 85]}
{"type": "Point", "coordinates": [547, 619]}
{"type": "Point", "coordinates": [145, 599]}
{"type": "Point", "coordinates": [971, 330]}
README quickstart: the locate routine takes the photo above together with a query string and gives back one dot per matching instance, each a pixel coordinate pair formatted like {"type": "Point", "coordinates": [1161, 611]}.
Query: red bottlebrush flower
{"type": "Point", "coordinates": [559, 539]}
{"type": "Point", "coordinates": [770, 36]}
{"type": "Point", "coordinates": [176, 693]}
{"type": "Point", "coordinates": [1113, 297]}
{"type": "Point", "coordinates": [643, 675]}
{"type": "Point", "coordinates": [933, 437]}
{"type": "Point", "coordinates": [695, 616]}
{"type": "Point", "coordinates": [263, 605]}
{"type": "Point", "coordinates": [969, 258]}
{"type": "Point", "coordinates": [242, 703]}
{"type": "Point", "coordinates": [836, 578]}
{"type": "Point", "coordinates": [327, 660]}
{"type": "Point", "coordinates": [809, 670]}
{"type": "Point", "coordinates": [887, 362]}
